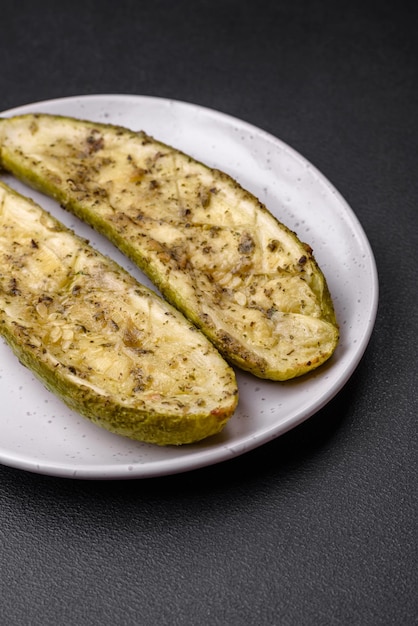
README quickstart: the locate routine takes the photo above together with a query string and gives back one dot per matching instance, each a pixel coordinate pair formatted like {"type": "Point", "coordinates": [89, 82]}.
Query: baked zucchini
{"type": "Point", "coordinates": [112, 349]}
{"type": "Point", "coordinates": [212, 249]}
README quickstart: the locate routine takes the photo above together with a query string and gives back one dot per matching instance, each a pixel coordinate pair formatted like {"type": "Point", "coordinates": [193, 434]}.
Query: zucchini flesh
{"type": "Point", "coordinates": [212, 249]}
{"type": "Point", "coordinates": [110, 348]}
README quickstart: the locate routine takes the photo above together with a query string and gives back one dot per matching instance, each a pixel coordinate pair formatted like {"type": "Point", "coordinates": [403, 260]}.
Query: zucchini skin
{"type": "Point", "coordinates": [110, 348]}
{"type": "Point", "coordinates": [212, 249]}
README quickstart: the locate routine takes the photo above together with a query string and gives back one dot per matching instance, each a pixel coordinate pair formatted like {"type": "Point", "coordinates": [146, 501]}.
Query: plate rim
{"type": "Point", "coordinates": [211, 455]}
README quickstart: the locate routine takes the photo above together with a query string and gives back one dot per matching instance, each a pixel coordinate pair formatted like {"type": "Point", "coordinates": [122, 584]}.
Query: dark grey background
{"type": "Point", "coordinates": [320, 526]}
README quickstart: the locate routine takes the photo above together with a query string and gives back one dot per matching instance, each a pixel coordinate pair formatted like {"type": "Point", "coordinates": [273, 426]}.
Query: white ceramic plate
{"type": "Point", "coordinates": [40, 434]}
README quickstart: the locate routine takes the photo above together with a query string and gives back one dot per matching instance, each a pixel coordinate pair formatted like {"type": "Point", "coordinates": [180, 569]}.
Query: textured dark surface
{"type": "Point", "coordinates": [319, 526]}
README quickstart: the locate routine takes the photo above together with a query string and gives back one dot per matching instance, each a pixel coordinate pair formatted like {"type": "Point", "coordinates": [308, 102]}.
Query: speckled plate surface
{"type": "Point", "coordinates": [38, 432]}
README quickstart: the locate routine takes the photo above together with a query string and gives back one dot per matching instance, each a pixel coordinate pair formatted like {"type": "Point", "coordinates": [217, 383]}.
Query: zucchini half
{"type": "Point", "coordinates": [212, 249]}
{"type": "Point", "coordinates": [109, 347]}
